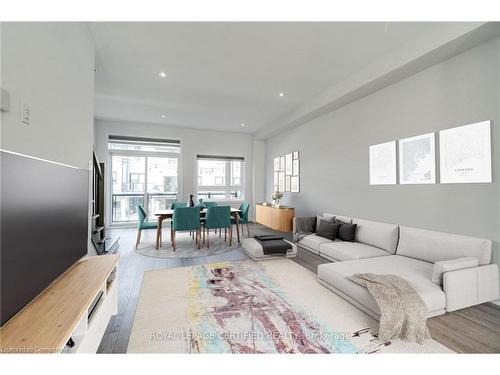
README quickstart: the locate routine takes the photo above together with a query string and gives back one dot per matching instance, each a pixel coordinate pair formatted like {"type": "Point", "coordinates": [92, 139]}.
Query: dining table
{"type": "Point", "coordinates": [168, 214]}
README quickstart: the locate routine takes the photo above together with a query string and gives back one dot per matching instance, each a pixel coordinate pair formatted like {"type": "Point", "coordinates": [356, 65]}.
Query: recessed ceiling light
{"type": "Point", "coordinates": [243, 124]}
{"type": "Point", "coordinates": [282, 94]}
{"type": "Point", "coordinates": [163, 115]}
{"type": "Point", "coordinates": [162, 74]}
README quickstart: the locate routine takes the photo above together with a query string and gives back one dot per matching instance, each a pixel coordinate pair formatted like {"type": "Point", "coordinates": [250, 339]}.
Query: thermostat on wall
{"type": "Point", "coordinates": [4, 100]}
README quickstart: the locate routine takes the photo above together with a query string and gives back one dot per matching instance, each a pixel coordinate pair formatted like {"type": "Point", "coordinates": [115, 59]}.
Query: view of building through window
{"type": "Point", "coordinates": [142, 177]}
{"type": "Point", "coordinates": [220, 179]}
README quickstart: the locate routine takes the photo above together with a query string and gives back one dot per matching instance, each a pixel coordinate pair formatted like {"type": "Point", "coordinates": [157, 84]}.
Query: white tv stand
{"type": "Point", "coordinates": [69, 308]}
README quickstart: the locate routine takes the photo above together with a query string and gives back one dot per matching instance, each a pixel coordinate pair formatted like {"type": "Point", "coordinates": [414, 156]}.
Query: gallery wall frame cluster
{"type": "Point", "coordinates": [286, 173]}
{"type": "Point", "coordinates": [464, 157]}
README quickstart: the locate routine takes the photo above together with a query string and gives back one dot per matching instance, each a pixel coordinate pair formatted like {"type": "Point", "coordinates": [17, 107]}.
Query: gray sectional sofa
{"type": "Point", "coordinates": [410, 253]}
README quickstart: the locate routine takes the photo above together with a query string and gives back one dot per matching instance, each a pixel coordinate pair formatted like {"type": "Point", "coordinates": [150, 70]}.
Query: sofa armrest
{"type": "Point", "coordinates": [470, 286]}
{"type": "Point", "coordinates": [302, 224]}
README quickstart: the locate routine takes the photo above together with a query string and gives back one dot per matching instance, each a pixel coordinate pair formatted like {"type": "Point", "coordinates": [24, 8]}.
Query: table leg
{"type": "Point", "coordinates": [237, 220]}
{"type": "Point", "coordinates": [158, 232]}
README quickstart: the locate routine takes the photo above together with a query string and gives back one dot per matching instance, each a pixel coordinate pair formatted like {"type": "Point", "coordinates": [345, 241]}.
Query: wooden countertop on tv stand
{"type": "Point", "coordinates": [46, 324]}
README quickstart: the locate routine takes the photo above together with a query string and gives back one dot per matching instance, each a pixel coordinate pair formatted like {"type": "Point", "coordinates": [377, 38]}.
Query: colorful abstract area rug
{"type": "Point", "coordinates": [276, 306]}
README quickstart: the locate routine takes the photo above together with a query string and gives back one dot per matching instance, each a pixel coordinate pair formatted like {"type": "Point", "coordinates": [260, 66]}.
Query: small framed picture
{"type": "Point", "coordinates": [282, 164]}
{"type": "Point", "coordinates": [295, 155]}
{"type": "Point", "coordinates": [276, 164]}
{"type": "Point", "coordinates": [295, 184]}
{"type": "Point", "coordinates": [287, 183]}
{"type": "Point", "coordinates": [281, 181]}
{"type": "Point", "coordinates": [296, 167]}
{"type": "Point", "coordinates": [288, 164]}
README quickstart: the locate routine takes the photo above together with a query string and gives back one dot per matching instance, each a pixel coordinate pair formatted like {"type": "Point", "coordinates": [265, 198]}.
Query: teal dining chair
{"type": "Point", "coordinates": [186, 219]}
{"type": "Point", "coordinates": [142, 224]}
{"type": "Point", "coordinates": [178, 204]}
{"type": "Point", "coordinates": [218, 217]}
{"type": "Point", "coordinates": [244, 208]}
{"type": "Point", "coordinates": [206, 205]}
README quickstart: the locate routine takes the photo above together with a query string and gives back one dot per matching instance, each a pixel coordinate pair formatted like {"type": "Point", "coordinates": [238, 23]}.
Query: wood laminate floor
{"type": "Point", "coordinates": [472, 330]}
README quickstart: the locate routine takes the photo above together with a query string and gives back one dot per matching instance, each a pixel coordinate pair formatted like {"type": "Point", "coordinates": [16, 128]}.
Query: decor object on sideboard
{"type": "Point", "coordinates": [191, 201]}
{"type": "Point", "coordinates": [383, 163]}
{"type": "Point", "coordinates": [277, 195]}
{"type": "Point", "coordinates": [417, 164]}
{"type": "Point", "coordinates": [465, 154]}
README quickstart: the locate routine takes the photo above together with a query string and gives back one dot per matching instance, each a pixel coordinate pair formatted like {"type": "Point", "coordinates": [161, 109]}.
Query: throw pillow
{"type": "Point", "coordinates": [328, 229]}
{"type": "Point", "coordinates": [330, 219]}
{"type": "Point", "coordinates": [346, 232]}
{"type": "Point", "coordinates": [343, 219]}
{"type": "Point", "coordinates": [451, 265]}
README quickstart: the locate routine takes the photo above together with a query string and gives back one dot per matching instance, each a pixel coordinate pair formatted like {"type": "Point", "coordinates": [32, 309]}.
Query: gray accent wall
{"type": "Point", "coordinates": [334, 149]}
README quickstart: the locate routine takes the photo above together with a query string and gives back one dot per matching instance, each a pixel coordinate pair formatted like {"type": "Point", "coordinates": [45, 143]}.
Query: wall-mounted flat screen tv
{"type": "Point", "coordinates": [44, 226]}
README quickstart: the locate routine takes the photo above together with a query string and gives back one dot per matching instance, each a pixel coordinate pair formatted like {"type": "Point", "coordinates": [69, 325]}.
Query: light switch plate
{"type": "Point", "coordinates": [4, 100]}
{"type": "Point", "coordinates": [25, 113]}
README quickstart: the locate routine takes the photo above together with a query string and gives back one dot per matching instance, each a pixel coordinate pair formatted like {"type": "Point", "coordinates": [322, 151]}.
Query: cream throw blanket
{"type": "Point", "coordinates": [403, 312]}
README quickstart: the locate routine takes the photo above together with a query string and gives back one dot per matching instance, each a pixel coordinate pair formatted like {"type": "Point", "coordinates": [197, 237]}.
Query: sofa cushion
{"type": "Point", "coordinates": [344, 250]}
{"type": "Point", "coordinates": [312, 241]}
{"type": "Point", "coordinates": [325, 217]}
{"type": "Point", "coordinates": [451, 265]}
{"type": "Point", "coordinates": [328, 229]}
{"type": "Point", "coordinates": [434, 246]}
{"type": "Point", "coordinates": [418, 273]}
{"type": "Point", "coordinates": [347, 232]}
{"type": "Point", "coordinates": [375, 233]}
{"type": "Point", "coordinates": [344, 219]}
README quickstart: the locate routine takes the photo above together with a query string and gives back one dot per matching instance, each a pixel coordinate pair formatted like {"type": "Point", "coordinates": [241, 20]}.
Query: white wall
{"type": "Point", "coordinates": [193, 141]}
{"type": "Point", "coordinates": [334, 150]}
{"type": "Point", "coordinates": [49, 66]}
{"type": "Point", "coordinates": [259, 174]}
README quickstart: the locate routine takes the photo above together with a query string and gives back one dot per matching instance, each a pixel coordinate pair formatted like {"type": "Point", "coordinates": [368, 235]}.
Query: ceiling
{"type": "Point", "coordinates": [220, 75]}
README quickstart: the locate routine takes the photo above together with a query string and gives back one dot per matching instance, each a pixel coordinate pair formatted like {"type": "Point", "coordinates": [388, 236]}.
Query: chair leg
{"type": "Point", "coordinates": [230, 236]}
{"type": "Point", "coordinates": [208, 239]}
{"type": "Point", "coordinates": [138, 238]}
{"type": "Point", "coordinates": [248, 230]}
{"type": "Point", "coordinates": [204, 230]}
{"type": "Point", "coordinates": [198, 235]}
{"type": "Point", "coordinates": [225, 234]}
{"type": "Point", "coordinates": [220, 232]}
{"type": "Point", "coordinates": [173, 240]}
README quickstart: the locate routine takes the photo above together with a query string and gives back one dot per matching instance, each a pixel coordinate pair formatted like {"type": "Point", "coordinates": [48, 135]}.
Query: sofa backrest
{"type": "Point", "coordinates": [382, 235]}
{"type": "Point", "coordinates": [434, 246]}
{"type": "Point", "coordinates": [344, 219]}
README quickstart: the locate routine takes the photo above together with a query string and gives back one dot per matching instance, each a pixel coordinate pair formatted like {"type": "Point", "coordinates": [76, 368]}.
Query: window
{"type": "Point", "coordinates": [220, 177]}
{"type": "Point", "coordinates": [143, 144]}
{"type": "Point", "coordinates": [144, 171]}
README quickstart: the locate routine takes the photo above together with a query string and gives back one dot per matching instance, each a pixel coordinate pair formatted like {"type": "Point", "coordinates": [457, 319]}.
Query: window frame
{"type": "Point", "coordinates": [227, 187]}
{"type": "Point", "coordinates": [109, 190]}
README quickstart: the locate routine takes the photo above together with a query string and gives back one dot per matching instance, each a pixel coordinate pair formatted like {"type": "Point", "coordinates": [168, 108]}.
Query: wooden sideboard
{"type": "Point", "coordinates": [280, 219]}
